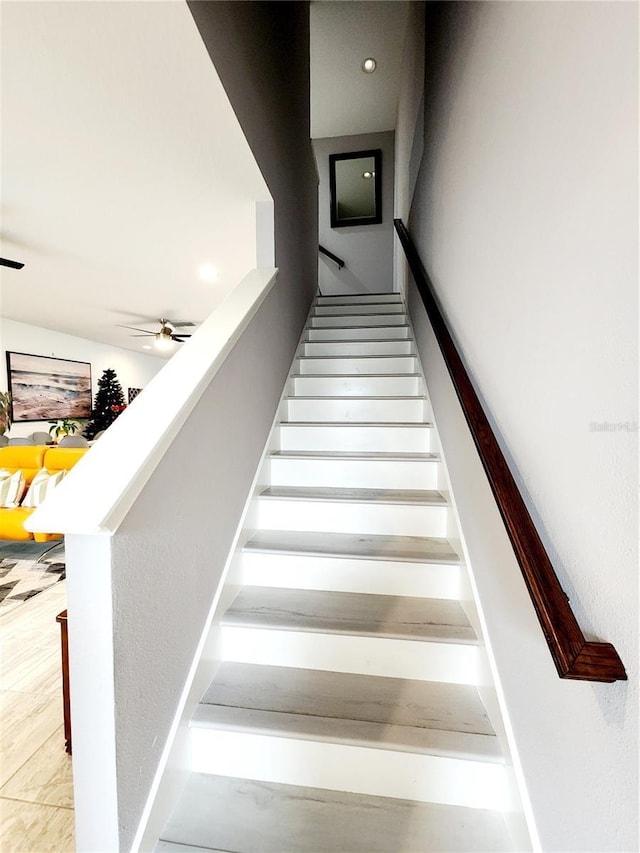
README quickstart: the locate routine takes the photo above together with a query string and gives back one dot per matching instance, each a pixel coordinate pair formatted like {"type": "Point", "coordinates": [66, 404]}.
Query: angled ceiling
{"type": "Point", "coordinates": [123, 169]}
{"type": "Point", "coordinates": [344, 100]}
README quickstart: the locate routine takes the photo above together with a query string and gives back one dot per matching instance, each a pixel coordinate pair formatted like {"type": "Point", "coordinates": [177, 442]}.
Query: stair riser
{"type": "Point", "coordinates": [347, 348]}
{"type": "Point", "coordinates": [357, 386]}
{"type": "Point", "coordinates": [322, 310]}
{"type": "Point", "coordinates": [355, 333]}
{"type": "Point", "coordinates": [358, 299]}
{"type": "Point", "coordinates": [352, 365]}
{"type": "Point", "coordinates": [355, 473]}
{"type": "Point", "coordinates": [453, 663]}
{"type": "Point", "coordinates": [390, 439]}
{"type": "Point", "coordinates": [340, 320]}
{"type": "Point", "coordinates": [359, 410]}
{"type": "Point", "coordinates": [377, 577]}
{"type": "Point", "coordinates": [351, 517]}
{"type": "Point", "coordinates": [337, 766]}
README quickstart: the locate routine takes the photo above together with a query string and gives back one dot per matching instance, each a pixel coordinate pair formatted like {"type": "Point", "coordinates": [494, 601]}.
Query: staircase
{"type": "Point", "coordinates": [345, 714]}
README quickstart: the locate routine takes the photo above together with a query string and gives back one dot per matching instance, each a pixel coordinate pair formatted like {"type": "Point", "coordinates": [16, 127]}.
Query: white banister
{"type": "Point", "coordinates": [104, 484]}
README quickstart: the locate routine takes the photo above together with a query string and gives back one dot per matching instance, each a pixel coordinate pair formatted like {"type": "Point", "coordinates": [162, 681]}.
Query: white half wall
{"type": "Point", "coordinates": [132, 369]}
{"type": "Point", "coordinates": [526, 216]}
{"type": "Point", "coordinates": [150, 526]}
{"type": "Point", "coordinates": [366, 249]}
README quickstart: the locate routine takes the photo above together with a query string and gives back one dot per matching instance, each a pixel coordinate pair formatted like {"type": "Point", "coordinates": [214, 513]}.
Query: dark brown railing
{"type": "Point", "coordinates": [574, 656]}
{"type": "Point", "coordinates": [333, 257]}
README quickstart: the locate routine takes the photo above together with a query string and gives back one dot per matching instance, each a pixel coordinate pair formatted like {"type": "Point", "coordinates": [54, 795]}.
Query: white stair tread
{"type": "Point", "coordinates": [359, 424]}
{"type": "Point", "coordinates": [364, 314]}
{"type": "Point", "coordinates": [356, 375]}
{"type": "Point", "coordinates": [227, 814]}
{"type": "Point", "coordinates": [375, 300]}
{"type": "Point", "coordinates": [369, 294]}
{"type": "Point", "coordinates": [390, 712]}
{"type": "Point", "coordinates": [377, 333]}
{"type": "Point", "coordinates": [353, 325]}
{"type": "Point", "coordinates": [361, 733]}
{"type": "Point", "coordinates": [321, 309]}
{"type": "Point", "coordinates": [319, 611]}
{"type": "Point", "coordinates": [371, 340]}
{"type": "Point", "coordinates": [380, 304]}
{"type": "Point", "coordinates": [353, 454]}
{"type": "Point", "coordinates": [359, 399]}
{"type": "Point", "coordinates": [403, 548]}
{"type": "Point", "coordinates": [354, 357]}
{"type": "Point", "coordinates": [334, 493]}
{"type": "Point", "coordinates": [347, 348]}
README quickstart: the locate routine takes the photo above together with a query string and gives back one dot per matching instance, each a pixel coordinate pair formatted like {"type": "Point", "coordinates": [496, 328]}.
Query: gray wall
{"type": "Point", "coordinates": [366, 249]}
{"type": "Point", "coordinates": [525, 214]}
{"type": "Point", "coordinates": [261, 54]}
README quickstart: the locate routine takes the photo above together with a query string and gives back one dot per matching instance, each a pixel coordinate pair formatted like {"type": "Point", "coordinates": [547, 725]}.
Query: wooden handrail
{"type": "Point", "coordinates": [573, 655]}
{"type": "Point", "coordinates": [333, 257]}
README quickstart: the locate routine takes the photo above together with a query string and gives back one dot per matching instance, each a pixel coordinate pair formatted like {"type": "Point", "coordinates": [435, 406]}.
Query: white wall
{"type": "Point", "coordinates": [366, 249]}
{"type": "Point", "coordinates": [525, 215]}
{"type": "Point", "coordinates": [133, 369]}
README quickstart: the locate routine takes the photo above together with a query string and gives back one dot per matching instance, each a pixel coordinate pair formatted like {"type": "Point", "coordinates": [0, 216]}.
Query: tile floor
{"type": "Point", "coordinates": [36, 792]}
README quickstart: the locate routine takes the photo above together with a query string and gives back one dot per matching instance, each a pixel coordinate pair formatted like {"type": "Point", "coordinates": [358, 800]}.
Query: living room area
{"type": "Point", "coordinates": [36, 785]}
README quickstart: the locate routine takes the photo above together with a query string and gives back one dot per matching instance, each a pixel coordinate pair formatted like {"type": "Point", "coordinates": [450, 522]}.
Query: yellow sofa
{"type": "Point", "coordinates": [30, 459]}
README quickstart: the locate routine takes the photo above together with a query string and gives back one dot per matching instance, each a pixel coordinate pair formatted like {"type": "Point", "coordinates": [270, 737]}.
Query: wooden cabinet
{"type": "Point", "coordinates": [64, 643]}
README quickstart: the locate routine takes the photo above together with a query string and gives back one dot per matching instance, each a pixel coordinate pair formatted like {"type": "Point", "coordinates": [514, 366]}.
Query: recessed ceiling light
{"type": "Point", "coordinates": [369, 65]}
{"type": "Point", "coordinates": [208, 272]}
{"type": "Point", "coordinates": [146, 346]}
{"type": "Point", "coordinates": [368, 175]}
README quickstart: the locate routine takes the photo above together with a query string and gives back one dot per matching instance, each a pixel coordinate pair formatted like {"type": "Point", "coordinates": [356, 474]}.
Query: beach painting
{"type": "Point", "coordinates": [44, 388]}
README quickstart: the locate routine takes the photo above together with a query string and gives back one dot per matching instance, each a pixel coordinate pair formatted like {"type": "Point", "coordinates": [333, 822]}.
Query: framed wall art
{"type": "Point", "coordinates": [43, 388]}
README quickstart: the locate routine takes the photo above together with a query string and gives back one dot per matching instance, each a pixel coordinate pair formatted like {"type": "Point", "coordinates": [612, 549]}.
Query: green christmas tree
{"type": "Point", "coordinates": [107, 405]}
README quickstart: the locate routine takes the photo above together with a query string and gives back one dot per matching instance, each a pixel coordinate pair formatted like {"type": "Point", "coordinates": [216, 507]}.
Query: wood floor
{"type": "Point", "coordinates": [36, 790]}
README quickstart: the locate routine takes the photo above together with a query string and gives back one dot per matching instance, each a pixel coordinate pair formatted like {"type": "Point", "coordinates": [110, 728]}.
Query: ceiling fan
{"type": "Point", "coordinates": [167, 333]}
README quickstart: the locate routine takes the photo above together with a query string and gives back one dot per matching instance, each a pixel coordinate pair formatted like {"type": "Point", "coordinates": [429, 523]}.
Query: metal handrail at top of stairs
{"type": "Point", "coordinates": [574, 656]}
{"type": "Point", "coordinates": [333, 257]}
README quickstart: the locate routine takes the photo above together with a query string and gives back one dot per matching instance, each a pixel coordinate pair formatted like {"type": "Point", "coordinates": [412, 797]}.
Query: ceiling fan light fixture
{"type": "Point", "coordinates": [163, 341]}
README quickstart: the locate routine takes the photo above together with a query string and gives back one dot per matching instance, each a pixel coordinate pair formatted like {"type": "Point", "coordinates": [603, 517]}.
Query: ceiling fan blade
{"type": "Point", "coordinates": [135, 329]}
{"type": "Point", "coordinates": [177, 323]}
{"type": "Point", "coordinates": [180, 338]}
{"type": "Point", "coordinates": [15, 265]}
